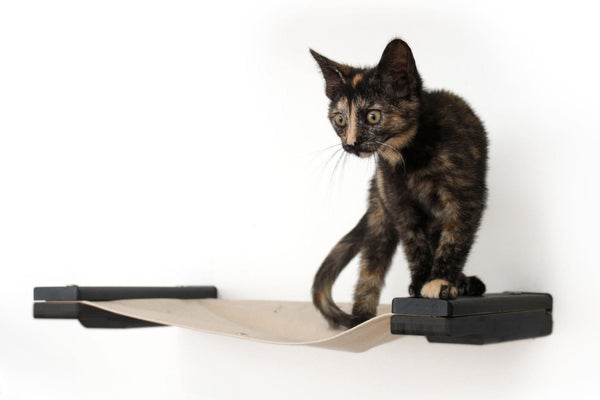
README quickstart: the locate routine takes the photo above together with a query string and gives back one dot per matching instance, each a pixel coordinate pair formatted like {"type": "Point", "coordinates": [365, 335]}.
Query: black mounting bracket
{"type": "Point", "coordinates": [53, 302]}
{"type": "Point", "coordinates": [491, 318]}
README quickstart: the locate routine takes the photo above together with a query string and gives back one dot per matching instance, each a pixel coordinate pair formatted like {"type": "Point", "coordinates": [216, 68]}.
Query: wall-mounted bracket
{"type": "Point", "coordinates": [53, 302]}
{"type": "Point", "coordinates": [492, 318]}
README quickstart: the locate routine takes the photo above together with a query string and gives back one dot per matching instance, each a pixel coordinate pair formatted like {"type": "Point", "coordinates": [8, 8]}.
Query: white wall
{"type": "Point", "coordinates": [167, 143]}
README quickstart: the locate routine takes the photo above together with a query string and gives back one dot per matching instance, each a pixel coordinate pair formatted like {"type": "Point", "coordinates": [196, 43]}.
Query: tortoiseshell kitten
{"type": "Point", "coordinates": [428, 191]}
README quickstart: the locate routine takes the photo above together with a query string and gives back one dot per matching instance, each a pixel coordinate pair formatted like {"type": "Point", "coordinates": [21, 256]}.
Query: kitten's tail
{"type": "Point", "coordinates": [336, 261]}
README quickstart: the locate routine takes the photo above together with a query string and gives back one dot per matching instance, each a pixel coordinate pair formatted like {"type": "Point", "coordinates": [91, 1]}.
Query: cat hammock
{"type": "Point", "coordinates": [469, 320]}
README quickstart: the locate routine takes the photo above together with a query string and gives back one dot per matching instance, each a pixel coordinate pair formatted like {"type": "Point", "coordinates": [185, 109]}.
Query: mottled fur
{"type": "Point", "coordinates": [428, 192]}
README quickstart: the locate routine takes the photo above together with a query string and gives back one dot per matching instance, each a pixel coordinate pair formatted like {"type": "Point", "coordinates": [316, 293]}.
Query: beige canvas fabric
{"type": "Point", "coordinates": [277, 322]}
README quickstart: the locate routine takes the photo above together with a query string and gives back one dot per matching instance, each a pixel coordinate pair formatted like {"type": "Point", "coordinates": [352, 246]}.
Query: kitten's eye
{"type": "Point", "coordinates": [374, 116]}
{"type": "Point", "coordinates": [339, 119]}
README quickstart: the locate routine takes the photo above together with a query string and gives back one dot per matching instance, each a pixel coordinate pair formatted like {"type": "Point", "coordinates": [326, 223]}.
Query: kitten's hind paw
{"type": "Point", "coordinates": [359, 319]}
{"type": "Point", "coordinates": [439, 289]}
{"type": "Point", "coordinates": [360, 315]}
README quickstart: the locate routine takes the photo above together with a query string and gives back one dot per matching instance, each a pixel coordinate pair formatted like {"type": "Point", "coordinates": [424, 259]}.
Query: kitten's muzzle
{"type": "Point", "coordinates": [360, 149]}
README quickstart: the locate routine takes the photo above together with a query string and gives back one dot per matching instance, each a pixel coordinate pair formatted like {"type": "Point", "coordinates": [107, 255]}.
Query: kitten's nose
{"type": "Point", "coordinates": [350, 148]}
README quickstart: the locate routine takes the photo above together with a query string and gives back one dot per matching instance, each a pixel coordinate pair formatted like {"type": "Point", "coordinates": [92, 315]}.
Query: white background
{"type": "Point", "coordinates": [169, 143]}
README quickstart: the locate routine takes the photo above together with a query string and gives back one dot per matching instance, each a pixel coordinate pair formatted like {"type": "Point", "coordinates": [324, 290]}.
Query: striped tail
{"type": "Point", "coordinates": [337, 259]}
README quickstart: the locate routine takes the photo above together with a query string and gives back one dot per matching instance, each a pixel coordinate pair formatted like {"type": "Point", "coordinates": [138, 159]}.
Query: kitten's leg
{"type": "Point", "coordinates": [415, 244]}
{"type": "Point", "coordinates": [459, 224]}
{"type": "Point", "coordinates": [379, 245]}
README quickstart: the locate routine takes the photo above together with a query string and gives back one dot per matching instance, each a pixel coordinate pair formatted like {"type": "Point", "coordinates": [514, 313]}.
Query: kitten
{"type": "Point", "coordinates": [429, 187]}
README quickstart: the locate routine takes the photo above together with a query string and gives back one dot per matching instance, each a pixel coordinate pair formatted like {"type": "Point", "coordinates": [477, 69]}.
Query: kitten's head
{"type": "Point", "coordinates": [374, 109]}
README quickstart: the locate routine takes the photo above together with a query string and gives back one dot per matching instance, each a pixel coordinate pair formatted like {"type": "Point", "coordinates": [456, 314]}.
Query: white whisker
{"type": "Point", "coordinates": [331, 157]}
{"type": "Point", "coordinates": [336, 166]}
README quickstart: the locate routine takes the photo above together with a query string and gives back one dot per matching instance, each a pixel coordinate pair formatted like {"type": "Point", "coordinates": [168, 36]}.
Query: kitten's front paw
{"type": "Point", "coordinates": [414, 289]}
{"type": "Point", "coordinates": [439, 289]}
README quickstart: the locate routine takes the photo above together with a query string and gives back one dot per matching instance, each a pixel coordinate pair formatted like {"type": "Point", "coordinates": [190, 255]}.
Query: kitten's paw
{"type": "Point", "coordinates": [439, 289]}
{"type": "Point", "coordinates": [414, 290]}
{"type": "Point", "coordinates": [361, 313]}
{"type": "Point", "coordinates": [359, 319]}
{"type": "Point", "coordinates": [474, 286]}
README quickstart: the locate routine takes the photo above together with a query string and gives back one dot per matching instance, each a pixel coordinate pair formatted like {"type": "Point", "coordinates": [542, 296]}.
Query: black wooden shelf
{"type": "Point", "coordinates": [491, 318]}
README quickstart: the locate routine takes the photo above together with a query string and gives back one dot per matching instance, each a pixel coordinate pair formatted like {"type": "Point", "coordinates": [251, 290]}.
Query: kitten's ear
{"type": "Point", "coordinates": [397, 69]}
{"type": "Point", "coordinates": [334, 73]}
